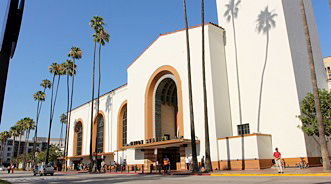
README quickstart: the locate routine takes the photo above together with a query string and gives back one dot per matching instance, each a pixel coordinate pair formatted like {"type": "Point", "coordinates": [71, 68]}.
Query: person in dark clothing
{"type": "Point", "coordinates": [202, 163]}
{"type": "Point", "coordinates": [166, 163]}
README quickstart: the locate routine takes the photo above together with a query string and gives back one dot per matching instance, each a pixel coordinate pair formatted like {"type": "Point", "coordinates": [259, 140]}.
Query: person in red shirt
{"type": "Point", "coordinates": [277, 157]}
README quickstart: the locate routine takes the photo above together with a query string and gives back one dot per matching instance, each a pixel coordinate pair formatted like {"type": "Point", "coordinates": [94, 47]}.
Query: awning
{"type": "Point", "coordinates": [162, 144]}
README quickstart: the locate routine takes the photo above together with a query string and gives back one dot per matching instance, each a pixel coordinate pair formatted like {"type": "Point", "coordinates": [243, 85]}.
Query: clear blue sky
{"type": "Point", "coordinates": [50, 28]}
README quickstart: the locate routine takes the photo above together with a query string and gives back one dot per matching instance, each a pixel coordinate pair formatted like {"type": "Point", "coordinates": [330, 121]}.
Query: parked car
{"type": "Point", "coordinates": [43, 170]}
{"type": "Point", "coordinates": [3, 168]}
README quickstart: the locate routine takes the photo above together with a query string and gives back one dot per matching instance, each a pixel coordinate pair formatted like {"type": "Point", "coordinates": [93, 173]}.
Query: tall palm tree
{"type": "Point", "coordinates": [70, 71]}
{"type": "Point", "coordinates": [265, 22]}
{"type": "Point", "coordinates": [20, 128]}
{"type": "Point", "coordinates": [40, 97]}
{"type": "Point", "coordinates": [4, 136]}
{"type": "Point", "coordinates": [29, 124]}
{"type": "Point", "coordinates": [96, 24]}
{"type": "Point", "coordinates": [208, 166]}
{"type": "Point", "coordinates": [319, 117]}
{"type": "Point", "coordinates": [57, 70]}
{"type": "Point", "coordinates": [194, 149]}
{"type": "Point", "coordinates": [102, 37]}
{"type": "Point", "coordinates": [63, 120]}
{"type": "Point", "coordinates": [15, 133]}
{"type": "Point", "coordinates": [74, 53]}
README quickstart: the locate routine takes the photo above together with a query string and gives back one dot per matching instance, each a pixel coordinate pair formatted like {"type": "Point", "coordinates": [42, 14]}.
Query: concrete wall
{"type": "Point", "coordinates": [286, 78]}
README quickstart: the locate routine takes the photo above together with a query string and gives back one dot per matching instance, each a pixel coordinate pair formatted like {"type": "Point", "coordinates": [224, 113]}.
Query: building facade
{"type": "Point", "coordinates": [12, 150]}
{"type": "Point", "coordinates": [256, 76]}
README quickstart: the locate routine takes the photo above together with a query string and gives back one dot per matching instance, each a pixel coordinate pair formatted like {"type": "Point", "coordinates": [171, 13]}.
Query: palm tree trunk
{"type": "Point", "coordinates": [50, 120]}
{"type": "Point", "coordinates": [71, 99]}
{"type": "Point", "coordinates": [35, 134]}
{"type": "Point", "coordinates": [26, 146]}
{"type": "Point", "coordinates": [19, 146]}
{"type": "Point", "coordinates": [194, 150]}
{"type": "Point", "coordinates": [3, 152]}
{"type": "Point", "coordinates": [67, 130]}
{"type": "Point", "coordinates": [99, 81]}
{"type": "Point", "coordinates": [261, 85]}
{"type": "Point", "coordinates": [12, 153]}
{"type": "Point", "coordinates": [319, 117]}
{"type": "Point", "coordinates": [208, 166]}
{"type": "Point", "coordinates": [91, 131]}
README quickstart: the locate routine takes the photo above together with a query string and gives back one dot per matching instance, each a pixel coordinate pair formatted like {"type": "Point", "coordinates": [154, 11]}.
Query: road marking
{"type": "Point", "coordinates": [318, 174]}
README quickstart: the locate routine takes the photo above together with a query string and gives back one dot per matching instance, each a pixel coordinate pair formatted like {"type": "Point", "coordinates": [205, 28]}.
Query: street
{"type": "Point", "coordinates": [144, 179]}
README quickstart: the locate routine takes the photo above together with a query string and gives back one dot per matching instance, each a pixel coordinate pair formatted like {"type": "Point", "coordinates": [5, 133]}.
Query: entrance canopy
{"type": "Point", "coordinates": [162, 144]}
{"type": "Point", "coordinates": [98, 154]}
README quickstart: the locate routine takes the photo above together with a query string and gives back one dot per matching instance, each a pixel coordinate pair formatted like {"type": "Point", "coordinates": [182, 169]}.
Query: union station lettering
{"type": "Point", "coordinates": [147, 141]}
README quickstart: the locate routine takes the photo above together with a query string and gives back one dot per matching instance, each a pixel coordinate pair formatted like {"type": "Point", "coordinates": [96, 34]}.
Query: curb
{"type": "Point", "coordinates": [317, 174]}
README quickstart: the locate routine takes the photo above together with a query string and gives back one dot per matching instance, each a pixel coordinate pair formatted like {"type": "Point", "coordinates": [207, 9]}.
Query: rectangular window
{"type": "Point", "coordinates": [9, 148]}
{"type": "Point", "coordinates": [10, 142]}
{"type": "Point", "coordinates": [8, 154]}
{"type": "Point", "coordinates": [243, 129]}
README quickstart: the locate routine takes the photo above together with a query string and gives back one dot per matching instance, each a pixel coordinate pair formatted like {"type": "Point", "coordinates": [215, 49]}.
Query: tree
{"type": "Point", "coordinates": [96, 24]}
{"type": "Point", "coordinates": [193, 143]}
{"type": "Point", "coordinates": [63, 120]}
{"type": "Point", "coordinates": [265, 22]}
{"type": "Point", "coordinates": [20, 128]}
{"type": "Point", "coordinates": [4, 136]}
{"type": "Point", "coordinates": [208, 166]}
{"type": "Point", "coordinates": [40, 97]}
{"type": "Point", "coordinates": [102, 37]}
{"type": "Point", "coordinates": [69, 71]}
{"type": "Point", "coordinates": [15, 133]}
{"type": "Point", "coordinates": [319, 117]}
{"type": "Point", "coordinates": [74, 53]}
{"type": "Point", "coordinates": [308, 113]}
{"type": "Point", "coordinates": [57, 70]}
{"type": "Point", "coordinates": [28, 125]}
{"type": "Point", "coordinates": [54, 153]}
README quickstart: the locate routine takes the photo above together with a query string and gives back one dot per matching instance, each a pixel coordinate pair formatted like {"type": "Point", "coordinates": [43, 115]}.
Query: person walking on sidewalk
{"type": "Point", "coordinates": [278, 156]}
{"type": "Point", "coordinates": [166, 164]}
{"type": "Point", "coordinates": [187, 161]}
{"type": "Point", "coordinates": [202, 163]}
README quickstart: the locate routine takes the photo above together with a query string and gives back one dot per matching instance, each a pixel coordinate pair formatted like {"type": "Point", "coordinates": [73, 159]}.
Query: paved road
{"type": "Point", "coordinates": [146, 179]}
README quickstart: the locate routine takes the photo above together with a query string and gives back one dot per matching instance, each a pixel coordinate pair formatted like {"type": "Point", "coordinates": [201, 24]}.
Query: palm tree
{"type": "Point", "coordinates": [102, 37]}
{"type": "Point", "coordinates": [70, 72]}
{"type": "Point", "coordinates": [40, 97]}
{"type": "Point", "coordinates": [15, 133]}
{"type": "Point", "coordinates": [4, 136]}
{"type": "Point", "coordinates": [57, 70]}
{"type": "Point", "coordinates": [208, 166]}
{"type": "Point", "coordinates": [194, 149]}
{"type": "Point", "coordinates": [319, 117]}
{"type": "Point", "coordinates": [63, 120]}
{"type": "Point", "coordinates": [265, 22]}
{"type": "Point", "coordinates": [74, 53]}
{"type": "Point", "coordinates": [20, 128]}
{"type": "Point", "coordinates": [29, 124]}
{"type": "Point", "coordinates": [96, 24]}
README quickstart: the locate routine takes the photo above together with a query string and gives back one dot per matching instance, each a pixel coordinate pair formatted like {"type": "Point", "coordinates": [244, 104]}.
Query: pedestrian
{"type": "Point", "coordinates": [166, 163]}
{"type": "Point", "coordinates": [8, 169]}
{"type": "Point", "coordinates": [202, 163]}
{"type": "Point", "coordinates": [12, 168]}
{"type": "Point", "coordinates": [103, 163]}
{"type": "Point", "coordinates": [187, 161]}
{"type": "Point", "coordinates": [190, 161]}
{"type": "Point", "coordinates": [278, 156]}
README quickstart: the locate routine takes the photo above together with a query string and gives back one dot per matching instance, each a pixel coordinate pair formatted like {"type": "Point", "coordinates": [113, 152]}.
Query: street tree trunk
{"type": "Point", "coordinates": [208, 165]}
{"type": "Point", "coordinates": [195, 167]}
{"type": "Point", "coordinates": [321, 130]}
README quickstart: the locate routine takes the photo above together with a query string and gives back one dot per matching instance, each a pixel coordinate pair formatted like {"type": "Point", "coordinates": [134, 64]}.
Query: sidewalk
{"type": "Point", "coordinates": [313, 171]}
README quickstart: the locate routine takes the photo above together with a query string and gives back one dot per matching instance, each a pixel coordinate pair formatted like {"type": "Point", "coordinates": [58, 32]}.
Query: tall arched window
{"type": "Point", "coordinates": [124, 127]}
{"type": "Point", "coordinates": [99, 138]}
{"type": "Point", "coordinates": [79, 130]}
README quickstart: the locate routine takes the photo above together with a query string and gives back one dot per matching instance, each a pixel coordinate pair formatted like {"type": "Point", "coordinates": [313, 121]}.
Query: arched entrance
{"type": "Point", "coordinates": [166, 108]}
{"type": "Point", "coordinates": [155, 83]}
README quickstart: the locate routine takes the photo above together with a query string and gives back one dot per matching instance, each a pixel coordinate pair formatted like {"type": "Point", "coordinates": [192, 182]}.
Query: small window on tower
{"type": "Point", "coordinates": [243, 129]}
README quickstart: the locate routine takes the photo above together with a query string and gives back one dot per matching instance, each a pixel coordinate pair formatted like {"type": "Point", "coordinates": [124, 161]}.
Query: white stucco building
{"type": "Point", "coordinates": [151, 111]}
